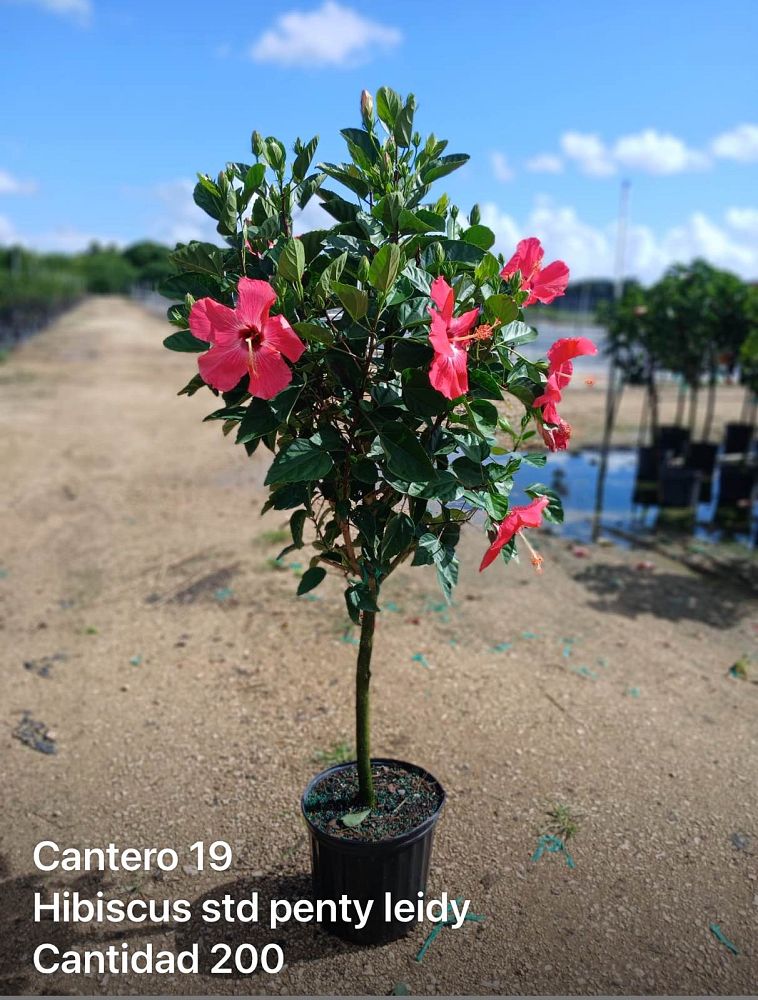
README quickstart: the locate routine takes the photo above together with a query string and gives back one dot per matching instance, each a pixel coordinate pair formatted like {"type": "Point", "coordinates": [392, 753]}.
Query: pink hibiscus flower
{"type": "Point", "coordinates": [449, 338]}
{"type": "Point", "coordinates": [557, 437]}
{"type": "Point", "coordinates": [562, 353]}
{"type": "Point", "coordinates": [528, 516]}
{"type": "Point", "coordinates": [560, 356]}
{"type": "Point", "coordinates": [543, 283]}
{"type": "Point", "coordinates": [245, 340]}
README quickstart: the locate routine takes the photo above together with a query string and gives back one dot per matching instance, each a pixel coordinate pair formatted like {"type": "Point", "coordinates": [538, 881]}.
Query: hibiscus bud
{"type": "Point", "coordinates": [256, 143]}
{"type": "Point", "coordinates": [476, 216]}
{"type": "Point", "coordinates": [367, 108]}
{"type": "Point", "coordinates": [363, 269]}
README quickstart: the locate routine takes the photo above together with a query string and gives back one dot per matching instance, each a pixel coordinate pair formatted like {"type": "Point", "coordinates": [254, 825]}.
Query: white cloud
{"type": "Point", "coordinates": [744, 220]}
{"type": "Point", "coordinates": [313, 216]}
{"type": "Point", "coordinates": [589, 152]}
{"type": "Point", "coordinates": [14, 185]}
{"type": "Point", "coordinates": [656, 153]}
{"type": "Point", "coordinates": [545, 163]}
{"type": "Point", "coordinates": [77, 10]}
{"type": "Point", "coordinates": [179, 219]}
{"type": "Point", "coordinates": [589, 250]}
{"type": "Point", "coordinates": [331, 35]}
{"type": "Point", "coordinates": [740, 144]}
{"type": "Point", "coordinates": [501, 168]}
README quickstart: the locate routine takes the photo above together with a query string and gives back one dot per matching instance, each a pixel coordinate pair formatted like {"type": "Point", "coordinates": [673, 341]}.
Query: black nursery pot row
{"type": "Point", "coordinates": [367, 870]}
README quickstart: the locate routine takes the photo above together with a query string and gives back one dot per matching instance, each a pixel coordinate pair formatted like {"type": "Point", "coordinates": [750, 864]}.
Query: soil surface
{"type": "Point", "coordinates": [182, 693]}
{"type": "Point", "coordinates": [404, 800]}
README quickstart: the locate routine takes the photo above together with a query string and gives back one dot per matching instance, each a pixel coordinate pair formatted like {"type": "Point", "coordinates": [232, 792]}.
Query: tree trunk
{"type": "Point", "coordinates": [710, 405]}
{"type": "Point", "coordinates": [612, 400]}
{"type": "Point", "coordinates": [680, 403]}
{"type": "Point", "coordinates": [693, 410]}
{"type": "Point", "coordinates": [362, 710]}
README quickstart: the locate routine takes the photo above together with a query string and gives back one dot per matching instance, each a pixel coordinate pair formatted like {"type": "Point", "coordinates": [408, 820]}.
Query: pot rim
{"type": "Point", "coordinates": [364, 846]}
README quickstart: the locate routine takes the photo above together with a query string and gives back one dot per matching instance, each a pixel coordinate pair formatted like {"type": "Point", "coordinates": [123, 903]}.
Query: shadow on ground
{"type": "Point", "coordinates": [623, 590]}
{"type": "Point", "coordinates": [299, 942]}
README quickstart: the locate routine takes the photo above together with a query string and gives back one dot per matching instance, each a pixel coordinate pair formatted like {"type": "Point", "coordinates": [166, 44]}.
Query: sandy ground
{"type": "Point", "coordinates": [190, 698]}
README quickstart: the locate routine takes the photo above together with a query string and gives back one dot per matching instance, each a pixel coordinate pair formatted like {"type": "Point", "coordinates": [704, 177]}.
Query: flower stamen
{"type": "Point", "coordinates": [537, 559]}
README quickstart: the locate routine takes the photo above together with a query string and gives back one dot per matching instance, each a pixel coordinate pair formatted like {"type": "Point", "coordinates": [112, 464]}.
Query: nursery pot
{"type": "Point", "coordinates": [367, 870]}
{"type": "Point", "coordinates": [671, 438]}
{"type": "Point", "coordinates": [737, 438]}
{"type": "Point", "coordinates": [679, 488]}
{"type": "Point", "coordinates": [701, 456]}
{"type": "Point", "coordinates": [736, 484]}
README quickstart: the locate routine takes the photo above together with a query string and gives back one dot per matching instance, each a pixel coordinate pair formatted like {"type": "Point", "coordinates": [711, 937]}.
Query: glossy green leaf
{"type": "Point", "coordinates": [310, 579]}
{"type": "Point", "coordinates": [292, 261]}
{"type": "Point", "coordinates": [184, 341]}
{"type": "Point", "coordinates": [404, 455]}
{"type": "Point", "coordinates": [354, 300]}
{"type": "Point", "coordinates": [300, 462]}
{"type": "Point", "coordinates": [384, 267]}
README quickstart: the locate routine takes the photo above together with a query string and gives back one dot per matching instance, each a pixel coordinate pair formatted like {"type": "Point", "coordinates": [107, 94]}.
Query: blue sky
{"type": "Point", "coordinates": [109, 109]}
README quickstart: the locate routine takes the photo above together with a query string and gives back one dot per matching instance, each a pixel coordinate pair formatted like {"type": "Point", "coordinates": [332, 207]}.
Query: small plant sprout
{"type": "Point", "coordinates": [562, 822]}
{"type": "Point", "coordinates": [370, 357]}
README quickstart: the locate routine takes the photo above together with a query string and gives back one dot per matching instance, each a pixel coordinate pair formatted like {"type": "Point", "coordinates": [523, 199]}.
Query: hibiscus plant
{"type": "Point", "coordinates": [371, 357]}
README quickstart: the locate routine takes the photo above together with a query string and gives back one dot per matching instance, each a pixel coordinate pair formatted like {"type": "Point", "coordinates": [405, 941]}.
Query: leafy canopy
{"type": "Point", "coordinates": [374, 464]}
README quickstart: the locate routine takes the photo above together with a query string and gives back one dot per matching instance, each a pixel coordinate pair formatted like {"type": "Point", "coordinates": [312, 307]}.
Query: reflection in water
{"type": "Point", "coordinates": [703, 492]}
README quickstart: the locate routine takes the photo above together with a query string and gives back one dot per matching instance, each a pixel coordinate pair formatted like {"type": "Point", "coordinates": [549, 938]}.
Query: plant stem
{"type": "Point", "coordinates": [362, 710]}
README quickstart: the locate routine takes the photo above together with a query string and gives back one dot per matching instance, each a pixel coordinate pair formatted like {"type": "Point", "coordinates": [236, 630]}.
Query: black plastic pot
{"type": "Point", "coordinates": [737, 438]}
{"type": "Point", "coordinates": [366, 870]}
{"type": "Point", "coordinates": [701, 457]}
{"type": "Point", "coordinates": [736, 484]}
{"type": "Point", "coordinates": [679, 488]}
{"type": "Point", "coordinates": [672, 439]}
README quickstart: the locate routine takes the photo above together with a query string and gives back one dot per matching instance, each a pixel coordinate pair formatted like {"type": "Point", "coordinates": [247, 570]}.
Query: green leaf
{"type": "Point", "coordinates": [355, 819]}
{"type": "Point", "coordinates": [292, 261]}
{"type": "Point", "coordinates": [441, 552]}
{"type": "Point", "coordinates": [300, 462]}
{"type": "Point", "coordinates": [297, 523]}
{"type": "Point", "coordinates": [480, 236]}
{"type": "Point", "coordinates": [403, 454]}
{"type": "Point", "coordinates": [443, 166]}
{"type": "Point", "coordinates": [195, 384]}
{"type": "Point", "coordinates": [253, 180]}
{"type": "Point", "coordinates": [353, 299]}
{"type": "Point", "coordinates": [314, 333]}
{"type": "Point", "coordinates": [208, 197]}
{"type": "Point", "coordinates": [388, 106]}
{"type": "Point", "coordinates": [258, 421]}
{"type": "Point", "coordinates": [554, 510]}
{"type": "Point", "coordinates": [310, 579]}
{"type": "Point", "coordinates": [487, 269]}
{"type": "Point", "coordinates": [535, 458]}
{"type": "Point", "coordinates": [199, 258]}
{"type": "Point", "coordinates": [485, 415]}
{"type": "Point", "coordinates": [360, 142]}
{"type": "Point", "coordinates": [409, 353]}
{"type": "Point", "coordinates": [500, 309]}
{"type": "Point", "coordinates": [403, 128]}
{"type": "Point", "coordinates": [516, 333]}
{"type": "Point", "coordinates": [303, 158]}
{"type": "Point", "coordinates": [398, 535]}
{"type": "Point", "coordinates": [384, 267]}
{"type": "Point", "coordinates": [420, 397]}
{"type": "Point", "coordinates": [470, 474]}
{"type": "Point", "coordinates": [184, 341]}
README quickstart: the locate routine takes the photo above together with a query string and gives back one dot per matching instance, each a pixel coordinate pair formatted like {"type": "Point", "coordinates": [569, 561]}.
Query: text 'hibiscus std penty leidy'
{"type": "Point", "coordinates": [372, 357]}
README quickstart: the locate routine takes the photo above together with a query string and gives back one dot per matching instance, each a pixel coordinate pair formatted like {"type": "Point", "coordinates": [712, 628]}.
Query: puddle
{"type": "Point", "coordinates": [573, 475]}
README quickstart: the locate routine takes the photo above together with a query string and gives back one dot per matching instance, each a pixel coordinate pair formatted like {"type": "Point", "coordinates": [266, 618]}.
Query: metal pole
{"type": "Point", "coordinates": [615, 386]}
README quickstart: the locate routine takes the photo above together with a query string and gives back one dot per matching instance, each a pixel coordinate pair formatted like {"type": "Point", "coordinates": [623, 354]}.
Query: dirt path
{"type": "Point", "coordinates": [144, 624]}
